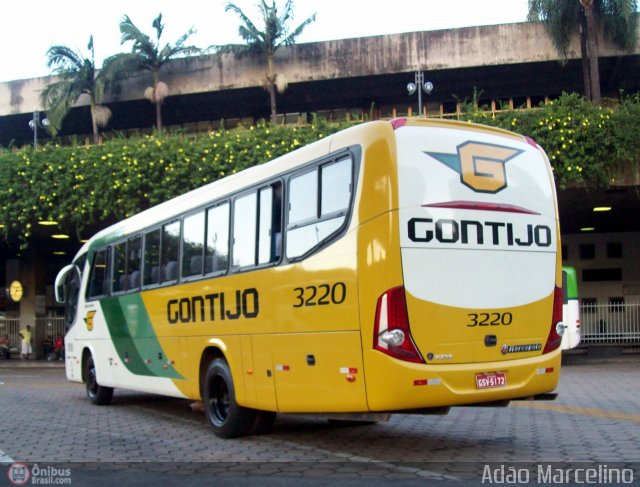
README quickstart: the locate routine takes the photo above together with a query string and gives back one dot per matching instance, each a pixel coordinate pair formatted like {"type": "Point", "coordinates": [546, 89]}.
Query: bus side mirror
{"type": "Point", "coordinates": [61, 279]}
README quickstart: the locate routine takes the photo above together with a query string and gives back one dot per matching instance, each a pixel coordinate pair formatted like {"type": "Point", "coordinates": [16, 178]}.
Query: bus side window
{"type": "Point", "coordinates": [256, 222]}
{"type": "Point", "coordinates": [318, 206]}
{"type": "Point", "coordinates": [335, 184]}
{"type": "Point", "coordinates": [151, 258]}
{"type": "Point", "coordinates": [119, 276]}
{"type": "Point", "coordinates": [270, 224]}
{"type": "Point", "coordinates": [98, 278]}
{"type": "Point", "coordinates": [170, 249]}
{"type": "Point", "coordinates": [193, 244]}
{"type": "Point", "coordinates": [217, 251]}
{"type": "Point", "coordinates": [134, 252]}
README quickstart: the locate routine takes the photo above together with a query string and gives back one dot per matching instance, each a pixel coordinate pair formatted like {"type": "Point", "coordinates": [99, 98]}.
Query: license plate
{"type": "Point", "coordinates": [491, 380]}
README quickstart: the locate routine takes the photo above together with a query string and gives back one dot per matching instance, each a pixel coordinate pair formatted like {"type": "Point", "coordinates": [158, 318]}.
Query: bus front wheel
{"type": "Point", "coordinates": [228, 419]}
{"type": "Point", "coordinates": [96, 393]}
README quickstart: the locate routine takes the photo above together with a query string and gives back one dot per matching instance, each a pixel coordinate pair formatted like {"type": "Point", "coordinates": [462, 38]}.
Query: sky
{"type": "Point", "coordinates": [28, 28]}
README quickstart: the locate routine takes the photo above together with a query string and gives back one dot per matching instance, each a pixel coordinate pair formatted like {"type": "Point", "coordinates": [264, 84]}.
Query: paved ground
{"type": "Point", "coordinates": [47, 423]}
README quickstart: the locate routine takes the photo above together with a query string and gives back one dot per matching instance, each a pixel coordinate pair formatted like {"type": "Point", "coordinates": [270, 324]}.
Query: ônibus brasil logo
{"type": "Point", "coordinates": [480, 165]}
{"type": "Point", "coordinates": [19, 474]}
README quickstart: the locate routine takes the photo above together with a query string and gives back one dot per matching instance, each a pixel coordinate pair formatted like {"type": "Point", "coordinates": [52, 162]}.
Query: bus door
{"type": "Point", "coordinates": [259, 381]}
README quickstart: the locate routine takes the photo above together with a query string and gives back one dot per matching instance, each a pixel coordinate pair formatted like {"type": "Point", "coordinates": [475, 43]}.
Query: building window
{"type": "Point", "coordinates": [587, 251]}
{"type": "Point", "coordinates": [614, 250]}
{"type": "Point", "coordinates": [600, 275]}
{"type": "Point", "coordinates": [589, 305]}
{"type": "Point", "coordinates": [616, 304]}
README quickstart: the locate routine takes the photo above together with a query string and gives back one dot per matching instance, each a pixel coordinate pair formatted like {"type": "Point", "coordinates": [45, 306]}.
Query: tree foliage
{"type": "Point", "coordinates": [148, 55]}
{"type": "Point", "coordinates": [85, 187]}
{"type": "Point", "coordinates": [586, 144]}
{"type": "Point", "coordinates": [275, 34]}
{"type": "Point", "coordinates": [563, 19]}
{"type": "Point", "coordinates": [76, 76]}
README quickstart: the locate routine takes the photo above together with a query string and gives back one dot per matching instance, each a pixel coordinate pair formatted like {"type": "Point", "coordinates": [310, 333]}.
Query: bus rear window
{"type": "Point", "coordinates": [318, 204]}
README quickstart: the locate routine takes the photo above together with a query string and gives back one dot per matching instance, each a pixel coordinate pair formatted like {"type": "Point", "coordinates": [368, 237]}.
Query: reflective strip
{"type": "Point", "coordinates": [348, 370]}
{"type": "Point", "coordinates": [543, 371]}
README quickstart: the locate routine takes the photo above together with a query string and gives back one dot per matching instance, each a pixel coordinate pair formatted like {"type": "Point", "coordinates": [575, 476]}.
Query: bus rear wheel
{"type": "Point", "coordinates": [228, 419]}
{"type": "Point", "coordinates": [96, 393]}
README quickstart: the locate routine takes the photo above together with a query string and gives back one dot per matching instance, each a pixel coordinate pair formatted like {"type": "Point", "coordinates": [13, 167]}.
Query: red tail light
{"type": "Point", "coordinates": [554, 339]}
{"type": "Point", "coordinates": [391, 331]}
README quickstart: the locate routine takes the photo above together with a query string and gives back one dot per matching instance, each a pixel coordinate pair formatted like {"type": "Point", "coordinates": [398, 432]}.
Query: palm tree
{"type": "Point", "coordinates": [148, 55]}
{"type": "Point", "coordinates": [77, 76]}
{"type": "Point", "coordinates": [266, 42]}
{"type": "Point", "coordinates": [563, 18]}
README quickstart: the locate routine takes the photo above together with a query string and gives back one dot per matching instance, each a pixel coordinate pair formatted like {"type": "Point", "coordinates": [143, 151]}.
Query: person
{"type": "Point", "coordinates": [48, 347]}
{"type": "Point", "coordinates": [26, 342]}
{"type": "Point", "coordinates": [5, 347]}
{"type": "Point", "coordinates": [58, 348]}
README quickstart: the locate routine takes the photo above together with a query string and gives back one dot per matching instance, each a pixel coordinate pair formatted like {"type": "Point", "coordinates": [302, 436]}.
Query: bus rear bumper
{"type": "Point", "coordinates": [407, 386]}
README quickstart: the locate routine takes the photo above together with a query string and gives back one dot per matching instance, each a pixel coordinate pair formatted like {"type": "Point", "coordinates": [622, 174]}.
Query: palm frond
{"type": "Point", "coordinates": [120, 66]}
{"type": "Point", "coordinates": [619, 21]}
{"type": "Point", "coordinates": [158, 26]}
{"type": "Point", "coordinates": [62, 58]}
{"type": "Point", "coordinates": [561, 20]}
{"type": "Point", "coordinates": [291, 38]}
{"type": "Point", "coordinates": [57, 99]}
{"type": "Point", "coordinates": [130, 33]}
{"type": "Point", "coordinates": [247, 30]}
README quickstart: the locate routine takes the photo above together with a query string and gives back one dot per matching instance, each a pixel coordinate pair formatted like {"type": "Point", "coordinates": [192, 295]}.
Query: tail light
{"type": "Point", "coordinates": [557, 327]}
{"type": "Point", "coordinates": [391, 331]}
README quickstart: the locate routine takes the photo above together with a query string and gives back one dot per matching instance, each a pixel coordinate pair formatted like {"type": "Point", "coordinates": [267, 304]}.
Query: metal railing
{"type": "Point", "coordinates": [610, 323]}
{"type": "Point", "coordinates": [10, 325]}
{"type": "Point", "coordinates": [52, 326]}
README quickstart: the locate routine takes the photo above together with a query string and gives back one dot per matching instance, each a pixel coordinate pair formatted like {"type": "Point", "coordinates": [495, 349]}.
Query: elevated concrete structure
{"type": "Point", "coordinates": [500, 61]}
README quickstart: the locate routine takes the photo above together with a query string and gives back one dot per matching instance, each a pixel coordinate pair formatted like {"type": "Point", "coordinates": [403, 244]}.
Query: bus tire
{"type": "Point", "coordinates": [228, 419]}
{"type": "Point", "coordinates": [97, 394]}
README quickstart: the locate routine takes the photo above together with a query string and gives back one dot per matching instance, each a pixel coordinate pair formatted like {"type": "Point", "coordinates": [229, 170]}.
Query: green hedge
{"type": "Point", "coordinates": [586, 144]}
{"type": "Point", "coordinates": [85, 187]}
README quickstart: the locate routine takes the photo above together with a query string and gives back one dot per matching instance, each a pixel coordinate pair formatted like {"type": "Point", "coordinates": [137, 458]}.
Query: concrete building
{"type": "Point", "coordinates": [505, 66]}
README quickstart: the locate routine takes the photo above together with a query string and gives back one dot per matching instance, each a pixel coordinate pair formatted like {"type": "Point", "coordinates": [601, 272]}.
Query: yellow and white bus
{"type": "Point", "coordinates": [397, 266]}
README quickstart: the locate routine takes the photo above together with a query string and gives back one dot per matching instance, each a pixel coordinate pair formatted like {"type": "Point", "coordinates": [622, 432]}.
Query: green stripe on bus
{"type": "Point", "coordinates": [570, 282]}
{"type": "Point", "coordinates": [134, 337]}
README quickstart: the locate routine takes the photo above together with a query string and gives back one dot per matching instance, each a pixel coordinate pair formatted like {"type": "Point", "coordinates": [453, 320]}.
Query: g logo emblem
{"type": "Point", "coordinates": [89, 320]}
{"type": "Point", "coordinates": [481, 166]}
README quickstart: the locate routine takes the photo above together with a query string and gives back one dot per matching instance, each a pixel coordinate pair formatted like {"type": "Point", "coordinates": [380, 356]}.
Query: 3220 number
{"type": "Point", "coordinates": [489, 319]}
{"type": "Point", "coordinates": [320, 295]}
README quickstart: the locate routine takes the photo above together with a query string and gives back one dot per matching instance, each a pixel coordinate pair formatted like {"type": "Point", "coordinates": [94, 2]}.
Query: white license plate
{"type": "Point", "coordinates": [491, 380]}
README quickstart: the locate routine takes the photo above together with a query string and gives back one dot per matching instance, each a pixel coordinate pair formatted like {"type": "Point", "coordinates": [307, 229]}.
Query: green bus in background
{"type": "Point", "coordinates": [570, 308]}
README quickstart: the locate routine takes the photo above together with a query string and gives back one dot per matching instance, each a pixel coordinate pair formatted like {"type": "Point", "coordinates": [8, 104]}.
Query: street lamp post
{"type": "Point", "coordinates": [420, 85]}
{"type": "Point", "coordinates": [34, 123]}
